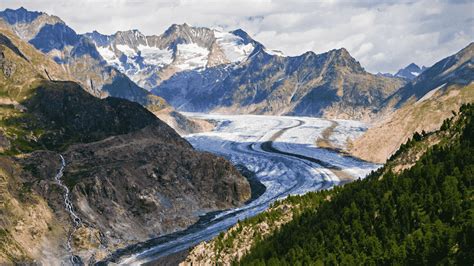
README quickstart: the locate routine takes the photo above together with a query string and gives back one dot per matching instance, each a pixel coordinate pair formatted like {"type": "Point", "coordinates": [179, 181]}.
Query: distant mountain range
{"type": "Point", "coordinates": [148, 60]}
{"type": "Point", "coordinates": [206, 70]}
{"type": "Point", "coordinates": [409, 72]}
{"type": "Point", "coordinates": [199, 69]}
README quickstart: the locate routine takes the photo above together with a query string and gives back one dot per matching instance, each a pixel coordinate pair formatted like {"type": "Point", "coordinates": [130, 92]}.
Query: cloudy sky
{"type": "Point", "coordinates": [382, 35]}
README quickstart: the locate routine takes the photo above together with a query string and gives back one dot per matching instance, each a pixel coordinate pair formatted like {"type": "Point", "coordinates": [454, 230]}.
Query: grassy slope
{"type": "Point", "coordinates": [426, 115]}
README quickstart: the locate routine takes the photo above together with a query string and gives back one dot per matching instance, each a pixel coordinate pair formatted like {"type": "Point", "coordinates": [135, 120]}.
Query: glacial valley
{"type": "Point", "coordinates": [282, 154]}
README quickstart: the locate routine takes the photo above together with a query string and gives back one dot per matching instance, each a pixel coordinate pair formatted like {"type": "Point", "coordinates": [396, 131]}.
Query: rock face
{"type": "Point", "coordinates": [77, 54]}
{"type": "Point", "coordinates": [139, 185]}
{"type": "Point", "coordinates": [130, 175]}
{"type": "Point", "coordinates": [182, 124]}
{"type": "Point", "coordinates": [421, 105]}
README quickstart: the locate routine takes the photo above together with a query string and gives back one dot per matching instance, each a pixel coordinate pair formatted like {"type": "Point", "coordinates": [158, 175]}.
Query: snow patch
{"type": "Point", "coordinates": [125, 49]}
{"type": "Point", "coordinates": [108, 55]}
{"type": "Point", "coordinates": [155, 55]}
{"type": "Point", "coordinates": [274, 52]}
{"type": "Point", "coordinates": [191, 56]}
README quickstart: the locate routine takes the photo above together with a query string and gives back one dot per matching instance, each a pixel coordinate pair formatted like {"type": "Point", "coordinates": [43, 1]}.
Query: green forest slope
{"type": "Point", "coordinates": [416, 210]}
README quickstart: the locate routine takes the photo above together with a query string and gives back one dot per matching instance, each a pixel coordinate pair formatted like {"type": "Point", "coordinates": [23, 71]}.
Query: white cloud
{"type": "Point", "coordinates": [382, 35]}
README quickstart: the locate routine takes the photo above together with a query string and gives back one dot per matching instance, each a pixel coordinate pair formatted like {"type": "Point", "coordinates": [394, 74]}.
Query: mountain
{"type": "Point", "coordinates": [21, 64]}
{"type": "Point", "coordinates": [413, 210]}
{"type": "Point", "coordinates": [331, 84]}
{"type": "Point", "coordinates": [455, 69]}
{"type": "Point", "coordinates": [77, 54]}
{"type": "Point", "coordinates": [421, 105]}
{"type": "Point", "coordinates": [410, 72]}
{"type": "Point", "coordinates": [199, 69]}
{"type": "Point", "coordinates": [148, 60]}
{"type": "Point", "coordinates": [82, 176]}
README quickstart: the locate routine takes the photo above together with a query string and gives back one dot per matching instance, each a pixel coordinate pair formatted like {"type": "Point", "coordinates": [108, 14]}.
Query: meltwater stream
{"type": "Point", "coordinates": [280, 151]}
{"type": "Point", "coordinates": [69, 209]}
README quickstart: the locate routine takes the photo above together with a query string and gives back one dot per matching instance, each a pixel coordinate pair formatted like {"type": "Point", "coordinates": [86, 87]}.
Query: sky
{"type": "Point", "coordinates": [382, 35]}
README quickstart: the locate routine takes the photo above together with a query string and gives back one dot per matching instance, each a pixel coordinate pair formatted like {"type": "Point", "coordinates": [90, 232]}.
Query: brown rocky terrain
{"type": "Point", "coordinates": [384, 138]}
{"type": "Point", "coordinates": [130, 176]}
{"type": "Point", "coordinates": [182, 124]}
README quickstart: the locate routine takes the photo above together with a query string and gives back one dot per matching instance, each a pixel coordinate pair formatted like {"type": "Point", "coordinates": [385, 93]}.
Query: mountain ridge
{"type": "Point", "coordinates": [149, 59]}
{"type": "Point", "coordinates": [218, 60]}
{"type": "Point", "coordinates": [211, 84]}
{"type": "Point", "coordinates": [421, 105]}
{"type": "Point", "coordinates": [78, 54]}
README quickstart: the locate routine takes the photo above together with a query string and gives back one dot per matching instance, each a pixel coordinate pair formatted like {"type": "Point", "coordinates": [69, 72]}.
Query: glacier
{"type": "Point", "coordinates": [243, 139]}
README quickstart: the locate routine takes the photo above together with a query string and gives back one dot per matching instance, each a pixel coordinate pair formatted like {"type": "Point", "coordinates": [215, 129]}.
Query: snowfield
{"type": "Point", "coordinates": [281, 152]}
{"type": "Point", "coordinates": [191, 56]}
{"type": "Point", "coordinates": [156, 56]}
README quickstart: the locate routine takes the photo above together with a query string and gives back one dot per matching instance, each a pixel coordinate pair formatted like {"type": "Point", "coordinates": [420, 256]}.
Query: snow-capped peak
{"type": "Point", "coordinates": [148, 60]}
{"type": "Point", "coordinates": [409, 72]}
{"type": "Point", "coordinates": [233, 46]}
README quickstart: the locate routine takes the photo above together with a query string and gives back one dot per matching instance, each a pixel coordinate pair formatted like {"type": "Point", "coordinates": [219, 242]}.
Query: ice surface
{"type": "Point", "coordinates": [299, 140]}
